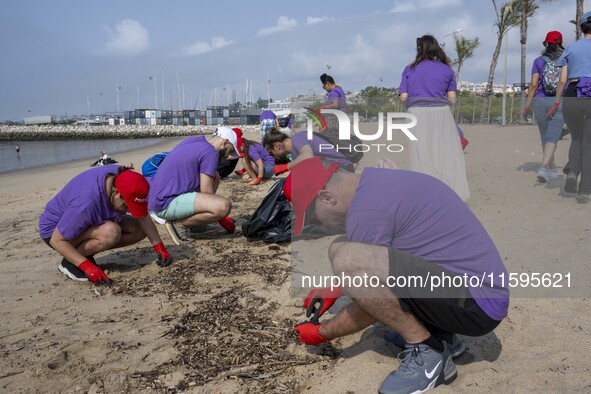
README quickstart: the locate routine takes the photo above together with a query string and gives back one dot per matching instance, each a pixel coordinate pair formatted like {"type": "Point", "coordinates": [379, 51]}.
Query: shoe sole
{"type": "Point", "coordinates": [176, 237]}
{"type": "Point", "coordinates": [570, 185]}
{"type": "Point", "coordinates": [542, 179]}
{"type": "Point", "coordinates": [70, 275]}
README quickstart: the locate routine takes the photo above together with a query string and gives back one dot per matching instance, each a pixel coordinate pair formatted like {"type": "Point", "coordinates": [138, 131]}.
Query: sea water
{"type": "Point", "coordinates": [43, 153]}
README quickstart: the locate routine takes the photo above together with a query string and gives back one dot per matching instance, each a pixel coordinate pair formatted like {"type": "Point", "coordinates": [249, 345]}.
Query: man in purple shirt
{"type": "Point", "coordinates": [88, 216]}
{"type": "Point", "coordinates": [183, 190]}
{"type": "Point", "coordinates": [408, 231]}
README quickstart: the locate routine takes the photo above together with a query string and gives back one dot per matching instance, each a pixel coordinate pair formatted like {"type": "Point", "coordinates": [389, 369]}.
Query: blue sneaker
{"type": "Point", "coordinates": [455, 344]}
{"type": "Point", "coordinates": [421, 369]}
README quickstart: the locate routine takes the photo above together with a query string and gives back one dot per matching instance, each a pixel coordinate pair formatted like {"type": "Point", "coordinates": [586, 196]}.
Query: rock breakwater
{"type": "Point", "coordinates": [64, 132]}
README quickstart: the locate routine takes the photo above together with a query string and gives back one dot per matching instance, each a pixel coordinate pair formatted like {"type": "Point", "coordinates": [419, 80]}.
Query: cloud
{"type": "Point", "coordinates": [129, 37]}
{"type": "Point", "coordinates": [416, 5]}
{"type": "Point", "coordinates": [200, 47]}
{"type": "Point", "coordinates": [311, 20]}
{"type": "Point", "coordinates": [283, 23]}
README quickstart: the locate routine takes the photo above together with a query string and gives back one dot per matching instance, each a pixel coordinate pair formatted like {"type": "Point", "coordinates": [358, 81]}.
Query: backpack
{"type": "Point", "coordinates": [151, 165]}
{"type": "Point", "coordinates": [346, 148]}
{"type": "Point", "coordinates": [550, 76]}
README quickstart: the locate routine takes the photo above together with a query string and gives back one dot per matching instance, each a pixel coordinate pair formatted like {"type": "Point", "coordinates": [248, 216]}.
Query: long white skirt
{"type": "Point", "coordinates": [438, 151]}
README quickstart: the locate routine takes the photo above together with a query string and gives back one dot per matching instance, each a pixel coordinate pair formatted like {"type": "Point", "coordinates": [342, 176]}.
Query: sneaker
{"type": "Point", "coordinates": [71, 271]}
{"type": "Point", "coordinates": [455, 344]}
{"type": "Point", "coordinates": [421, 369]}
{"type": "Point", "coordinates": [178, 236]}
{"type": "Point", "coordinates": [570, 184]}
{"type": "Point", "coordinates": [202, 229]}
{"type": "Point", "coordinates": [583, 198]}
{"type": "Point", "coordinates": [543, 175]}
{"type": "Point", "coordinates": [552, 173]}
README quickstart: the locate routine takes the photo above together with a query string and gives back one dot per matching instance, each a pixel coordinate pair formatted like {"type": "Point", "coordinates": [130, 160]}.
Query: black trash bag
{"type": "Point", "coordinates": [273, 219]}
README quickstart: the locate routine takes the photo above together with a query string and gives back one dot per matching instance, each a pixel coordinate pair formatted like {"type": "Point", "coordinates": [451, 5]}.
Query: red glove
{"type": "Point", "coordinates": [525, 111]}
{"type": "Point", "coordinates": [257, 181]}
{"type": "Point", "coordinates": [326, 297]}
{"type": "Point", "coordinates": [228, 224]}
{"type": "Point", "coordinates": [552, 111]}
{"type": "Point", "coordinates": [164, 258]}
{"type": "Point", "coordinates": [94, 273]}
{"type": "Point", "coordinates": [280, 169]}
{"type": "Point", "coordinates": [309, 333]}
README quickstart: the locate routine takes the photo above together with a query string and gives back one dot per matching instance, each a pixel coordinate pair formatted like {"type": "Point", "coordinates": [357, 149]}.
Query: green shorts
{"type": "Point", "coordinates": [181, 207]}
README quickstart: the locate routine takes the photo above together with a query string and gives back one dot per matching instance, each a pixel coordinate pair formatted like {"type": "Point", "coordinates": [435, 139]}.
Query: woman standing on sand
{"type": "Point", "coordinates": [336, 99]}
{"type": "Point", "coordinates": [543, 99]}
{"type": "Point", "coordinates": [428, 88]}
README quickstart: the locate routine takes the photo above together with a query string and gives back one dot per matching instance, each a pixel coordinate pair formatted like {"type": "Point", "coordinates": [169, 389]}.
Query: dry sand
{"type": "Point", "coordinates": [225, 303]}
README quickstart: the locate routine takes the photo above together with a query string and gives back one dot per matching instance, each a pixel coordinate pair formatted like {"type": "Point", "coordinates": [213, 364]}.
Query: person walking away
{"type": "Point", "coordinates": [575, 82]}
{"type": "Point", "coordinates": [428, 88]}
{"type": "Point", "coordinates": [542, 92]}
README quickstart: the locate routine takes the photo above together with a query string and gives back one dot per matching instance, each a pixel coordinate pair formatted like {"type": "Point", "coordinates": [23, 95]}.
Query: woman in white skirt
{"type": "Point", "coordinates": [427, 88]}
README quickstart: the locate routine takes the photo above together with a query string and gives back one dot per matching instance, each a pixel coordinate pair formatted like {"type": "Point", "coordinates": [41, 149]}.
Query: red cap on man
{"type": "Point", "coordinates": [554, 37]}
{"type": "Point", "coordinates": [307, 179]}
{"type": "Point", "coordinates": [134, 188]}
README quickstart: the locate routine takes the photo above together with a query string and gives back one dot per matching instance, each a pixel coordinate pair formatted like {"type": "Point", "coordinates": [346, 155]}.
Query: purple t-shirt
{"type": "Point", "coordinates": [419, 214]}
{"type": "Point", "coordinates": [257, 151]}
{"type": "Point", "coordinates": [268, 114]}
{"type": "Point", "coordinates": [81, 204]}
{"type": "Point", "coordinates": [298, 140]}
{"type": "Point", "coordinates": [337, 93]}
{"type": "Point", "coordinates": [179, 173]}
{"type": "Point", "coordinates": [427, 84]}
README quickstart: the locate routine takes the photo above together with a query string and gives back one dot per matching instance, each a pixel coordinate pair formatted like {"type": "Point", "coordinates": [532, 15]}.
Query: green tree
{"type": "Point", "coordinates": [464, 51]}
{"type": "Point", "coordinates": [505, 20]}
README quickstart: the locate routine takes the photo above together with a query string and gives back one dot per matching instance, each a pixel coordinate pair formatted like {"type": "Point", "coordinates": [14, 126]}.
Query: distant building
{"type": "Point", "coordinates": [40, 119]}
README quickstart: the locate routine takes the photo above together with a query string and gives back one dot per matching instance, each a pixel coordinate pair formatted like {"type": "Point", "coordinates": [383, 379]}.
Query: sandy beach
{"type": "Point", "coordinates": [220, 319]}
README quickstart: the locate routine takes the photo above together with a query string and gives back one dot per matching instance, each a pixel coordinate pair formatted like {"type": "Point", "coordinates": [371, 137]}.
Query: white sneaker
{"type": "Point", "coordinates": [552, 173]}
{"type": "Point", "coordinates": [543, 175]}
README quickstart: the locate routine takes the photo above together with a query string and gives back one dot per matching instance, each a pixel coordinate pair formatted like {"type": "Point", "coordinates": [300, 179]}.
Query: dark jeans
{"type": "Point", "coordinates": [577, 115]}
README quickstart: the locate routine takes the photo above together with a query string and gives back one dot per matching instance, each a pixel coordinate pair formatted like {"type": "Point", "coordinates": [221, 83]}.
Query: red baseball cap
{"type": "Point", "coordinates": [307, 179]}
{"type": "Point", "coordinates": [134, 188]}
{"type": "Point", "coordinates": [239, 140]}
{"type": "Point", "coordinates": [554, 37]}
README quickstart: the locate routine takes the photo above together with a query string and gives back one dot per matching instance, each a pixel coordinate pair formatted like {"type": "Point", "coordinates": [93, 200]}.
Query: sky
{"type": "Point", "coordinates": [72, 57]}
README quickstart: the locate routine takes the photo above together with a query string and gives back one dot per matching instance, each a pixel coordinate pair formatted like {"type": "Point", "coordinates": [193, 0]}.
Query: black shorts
{"type": "Point", "coordinates": [450, 308]}
{"type": "Point", "coordinates": [47, 240]}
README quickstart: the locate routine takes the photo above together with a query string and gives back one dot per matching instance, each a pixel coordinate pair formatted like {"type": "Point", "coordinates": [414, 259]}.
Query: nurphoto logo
{"type": "Point", "coordinates": [344, 130]}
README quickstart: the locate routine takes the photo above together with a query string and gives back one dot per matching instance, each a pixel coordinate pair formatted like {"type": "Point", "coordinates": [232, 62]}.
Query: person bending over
{"type": "Point", "coordinates": [89, 216]}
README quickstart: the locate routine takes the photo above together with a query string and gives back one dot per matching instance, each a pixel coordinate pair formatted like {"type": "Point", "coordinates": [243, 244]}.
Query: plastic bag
{"type": "Point", "coordinates": [273, 219]}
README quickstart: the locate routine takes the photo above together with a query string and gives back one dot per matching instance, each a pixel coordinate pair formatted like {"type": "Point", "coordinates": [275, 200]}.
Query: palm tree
{"type": "Point", "coordinates": [578, 18]}
{"type": "Point", "coordinates": [525, 9]}
{"type": "Point", "coordinates": [464, 50]}
{"type": "Point", "coordinates": [506, 19]}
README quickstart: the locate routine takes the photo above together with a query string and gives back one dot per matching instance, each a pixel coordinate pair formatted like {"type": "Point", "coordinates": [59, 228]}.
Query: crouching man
{"type": "Point", "coordinates": [404, 228]}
